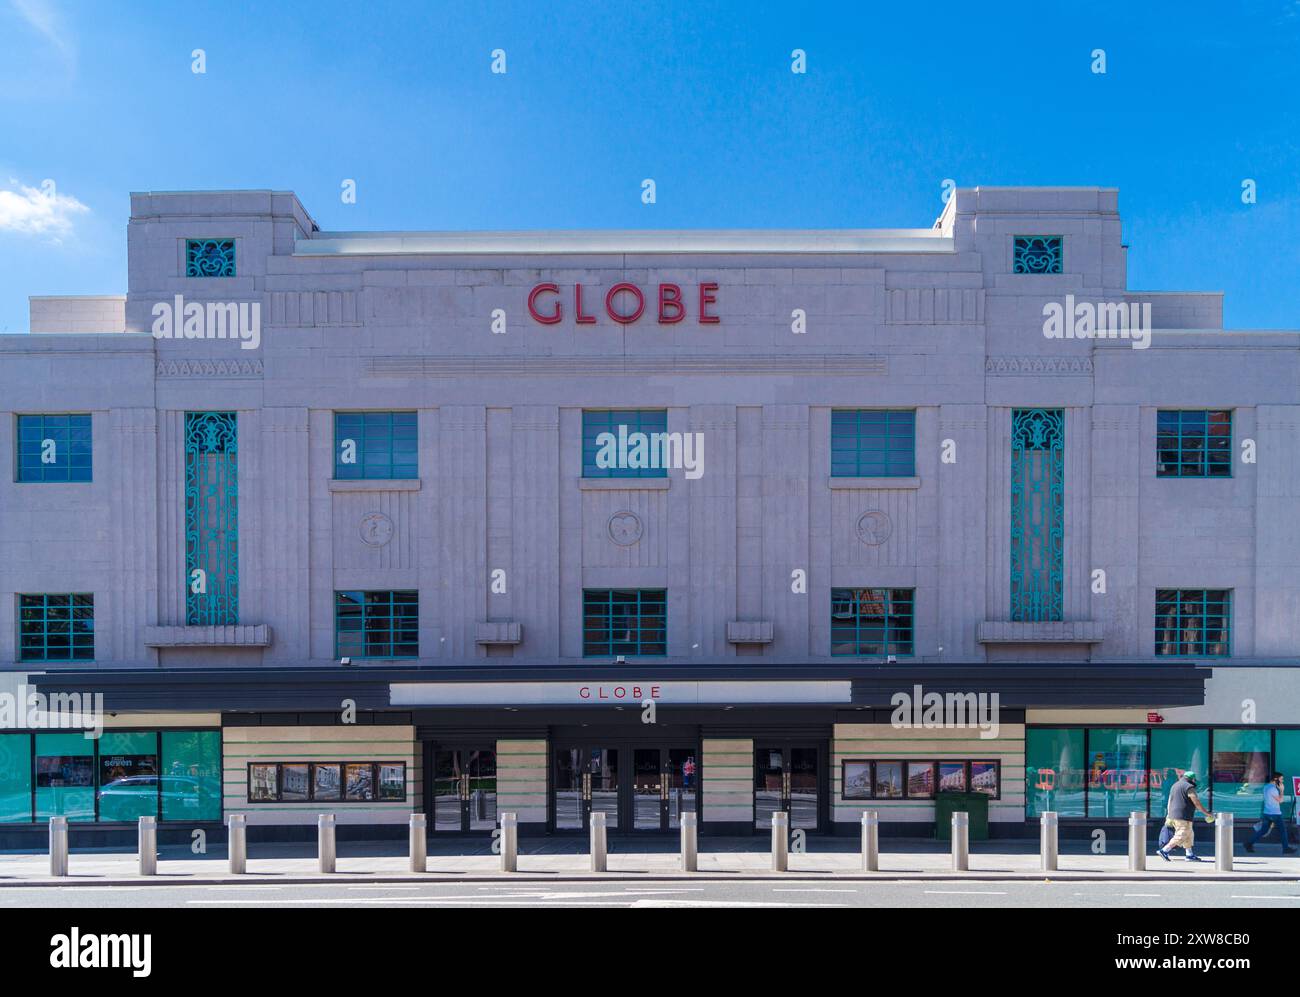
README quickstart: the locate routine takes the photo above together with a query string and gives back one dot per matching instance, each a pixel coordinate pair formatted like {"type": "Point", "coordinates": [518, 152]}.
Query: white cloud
{"type": "Point", "coordinates": [46, 21]}
{"type": "Point", "coordinates": [38, 211]}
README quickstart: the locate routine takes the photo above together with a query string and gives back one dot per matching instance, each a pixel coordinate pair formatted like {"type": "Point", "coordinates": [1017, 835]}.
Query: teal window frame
{"type": "Point", "coordinates": [387, 445]}
{"type": "Point", "coordinates": [630, 622]}
{"type": "Point", "coordinates": [1040, 255]}
{"type": "Point", "coordinates": [891, 630]}
{"type": "Point", "coordinates": [67, 616]}
{"type": "Point", "coordinates": [597, 421]}
{"type": "Point", "coordinates": [72, 433]}
{"type": "Point", "coordinates": [1037, 551]}
{"type": "Point", "coordinates": [212, 517]}
{"type": "Point", "coordinates": [1201, 611]}
{"type": "Point", "coordinates": [376, 624]}
{"type": "Point", "coordinates": [211, 258]}
{"type": "Point", "coordinates": [873, 443]}
{"type": "Point", "coordinates": [1194, 443]}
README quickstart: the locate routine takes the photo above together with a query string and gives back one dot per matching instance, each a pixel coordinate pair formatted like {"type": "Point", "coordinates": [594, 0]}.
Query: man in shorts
{"type": "Point", "coordinates": [1182, 807]}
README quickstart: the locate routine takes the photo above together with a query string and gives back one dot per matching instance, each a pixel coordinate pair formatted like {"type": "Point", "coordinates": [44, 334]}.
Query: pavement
{"type": "Point", "coordinates": [554, 860]}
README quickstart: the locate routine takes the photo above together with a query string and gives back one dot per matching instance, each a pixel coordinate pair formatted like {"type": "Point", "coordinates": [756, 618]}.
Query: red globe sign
{"type": "Point", "coordinates": [624, 303]}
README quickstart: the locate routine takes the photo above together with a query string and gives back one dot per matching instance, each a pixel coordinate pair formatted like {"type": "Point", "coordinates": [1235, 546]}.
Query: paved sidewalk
{"type": "Point", "coordinates": [552, 860]}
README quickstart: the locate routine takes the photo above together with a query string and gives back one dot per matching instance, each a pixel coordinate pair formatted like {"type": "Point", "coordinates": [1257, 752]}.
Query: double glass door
{"type": "Point", "coordinates": [464, 789]}
{"type": "Point", "coordinates": [787, 778]}
{"type": "Point", "coordinates": [586, 781]}
{"type": "Point", "coordinates": [664, 786]}
{"type": "Point", "coordinates": [636, 788]}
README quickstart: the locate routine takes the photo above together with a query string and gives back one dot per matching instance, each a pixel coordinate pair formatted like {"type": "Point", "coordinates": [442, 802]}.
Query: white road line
{"type": "Point", "coordinates": [1141, 894]}
{"type": "Point", "coordinates": [1260, 896]}
{"type": "Point", "coordinates": [813, 889]}
{"type": "Point", "coordinates": [971, 893]}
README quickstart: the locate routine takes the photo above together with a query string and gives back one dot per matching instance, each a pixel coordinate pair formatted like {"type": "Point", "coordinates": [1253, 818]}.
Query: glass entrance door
{"type": "Point", "coordinates": [664, 786]}
{"type": "Point", "coordinates": [464, 789]}
{"type": "Point", "coordinates": [787, 779]}
{"type": "Point", "coordinates": [586, 782]}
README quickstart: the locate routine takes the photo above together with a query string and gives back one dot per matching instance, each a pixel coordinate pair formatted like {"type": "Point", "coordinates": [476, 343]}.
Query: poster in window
{"type": "Point", "coordinates": [392, 781]}
{"type": "Point", "coordinates": [262, 785]}
{"type": "Point", "coordinates": [984, 778]}
{"type": "Point", "coordinates": [920, 780]}
{"type": "Point", "coordinates": [62, 771]}
{"type": "Point", "coordinates": [294, 783]}
{"type": "Point", "coordinates": [952, 777]}
{"type": "Point", "coordinates": [359, 781]}
{"type": "Point", "coordinates": [889, 781]}
{"type": "Point", "coordinates": [857, 780]}
{"type": "Point", "coordinates": [325, 781]}
{"type": "Point", "coordinates": [114, 768]}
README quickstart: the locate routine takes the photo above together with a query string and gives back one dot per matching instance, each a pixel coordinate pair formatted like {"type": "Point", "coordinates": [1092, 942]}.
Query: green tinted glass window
{"type": "Point", "coordinates": [15, 778]}
{"type": "Point", "coordinates": [1054, 772]}
{"type": "Point", "coordinates": [191, 775]}
{"type": "Point", "coordinates": [128, 775]}
{"type": "Point", "coordinates": [1174, 752]}
{"type": "Point", "coordinates": [1239, 769]}
{"type": "Point", "coordinates": [65, 776]}
{"type": "Point", "coordinates": [1117, 771]}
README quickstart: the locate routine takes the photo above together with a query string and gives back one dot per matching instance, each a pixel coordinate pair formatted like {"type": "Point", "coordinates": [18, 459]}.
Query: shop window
{"type": "Point", "coordinates": [624, 621]}
{"type": "Point", "coordinates": [1173, 752]}
{"type": "Point", "coordinates": [1194, 444]}
{"type": "Point", "coordinates": [1194, 623]}
{"type": "Point", "coordinates": [1239, 769]}
{"type": "Point", "coordinates": [1117, 771]}
{"type": "Point", "coordinates": [634, 448]}
{"type": "Point", "coordinates": [65, 776]}
{"type": "Point", "coordinates": [128, 775]}
{"type": "Point", "coordinates": [1054, 772]}
{"type": "Point", "coordinates": [871, 621]}
{"type": "Point", "coordinates": [54, 448]}
{"type": "Point", "coordinates": [191, 775]}
{"type": "Point", "coordinates": [869, 443]}
{"type": "Point", "coordinates": [375, 445]}
{"type": "Point", "coordinates": [15, 778]}
{"type": "Point", "coordinates": [1038, 254]}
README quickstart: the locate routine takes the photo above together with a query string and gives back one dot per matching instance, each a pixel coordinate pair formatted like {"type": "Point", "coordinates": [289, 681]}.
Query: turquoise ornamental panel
{"type": "Point", "coordinates": [1038, 254]}
{"type": "Point", "coordinates": [209, 257]}
{"type": "Point", "coordinates": [211, 519]}
{"type": "Point", "coordinates": [1037, 514]}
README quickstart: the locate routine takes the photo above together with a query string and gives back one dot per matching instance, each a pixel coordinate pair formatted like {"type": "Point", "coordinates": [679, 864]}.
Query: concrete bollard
{"type": "Point", "coordinates": [237, 843]}
{"type": "Point", "coordinates": [960, 841]}
{"type": "Point", "coordinates": [780, 841]}
{"type": "Point", "coordinates": [1223, 842]}
{"type": "Point", "coordinates": [509, 842]}
{"type": "Point", "coordinates": [419, 844]}
{"type": "Point", "coordinates": [1137, 841]}
{"type": "Point", "coordinates": [870, 841]}
{"type": "Point", "coordinates": [58, 846]}
{"type": "Point", "coordinates": [690, 844]}
{"type": "Point", "coordinates": [325, 842]}
{"type": "Point", "coordinates": [1048, 841]}
{"type": "Point", "coordinates": [148, 846]}
{"type": "Point", "coordinates": [599, 853]}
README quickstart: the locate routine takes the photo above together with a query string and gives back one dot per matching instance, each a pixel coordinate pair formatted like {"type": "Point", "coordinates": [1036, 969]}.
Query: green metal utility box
{"type": "Point", "coordinates": [975, 804]}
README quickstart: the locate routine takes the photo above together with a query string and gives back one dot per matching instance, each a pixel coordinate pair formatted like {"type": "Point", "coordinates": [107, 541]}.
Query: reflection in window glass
{"type": "Point", "coordinates": [65, 777]}
{"type": "Point", "coordinates": [952, 777]}
{"type": "Point", "coordinates": [327, 781]}
{"type": "Point", "coordinates": [191, 774]}
{"type": "Point", "coordinates": [1174, 752]}
{"type": "Point", "coordinates": [1287, 743]}
{"type": "Point", "coordinates": [392, 782]}
{"type": "Point", "coordinates": [294, 783]}
{"type": "Point", "coordinates": [1054, 772]}
{"type": "Point", "coordinates": [128, 775]}
{"type": "Point", "coordinates": [1239, 770]}
{"type": "Point", "coordinates": [15, 778]}
{"type": "Point", "coordinates": [984, 778]}
{"type": "Point", "coordinates": [1117, 771]}
{"type": "Point", "coordinates": [889, 781]}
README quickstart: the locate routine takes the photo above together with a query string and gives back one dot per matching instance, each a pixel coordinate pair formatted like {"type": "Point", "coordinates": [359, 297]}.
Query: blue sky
{"type": "Point", "coordinates": [1197, 97]}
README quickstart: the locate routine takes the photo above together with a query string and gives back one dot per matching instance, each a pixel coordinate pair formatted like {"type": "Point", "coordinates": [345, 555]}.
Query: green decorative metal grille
{"type": "Point", "coordinates": [1037, 514]}
{"type": "Point", "coordinates": [209, 257]}
{"type": "Point", "coordinates": [211, 519]}
{"type": "Point", "coordinates": [1194, 444]}
{"type": "Point", "coordinates": [375, 445]}
{"type": "Point", "coordinates": [377, 624]}
{"type": "Point", "coordinates": [56, 627]}
{"type": "Point", "coordinates": [624, 621]}
{"type": "Point", "coordinates": [54, 447]}
{"type": "Point", "coordinates": [621, 423]}
{"type": "Point", "coordinates": [871, 621]}
{"type": "Point", "coordinates": [1038, 254]}
{"type": "Point", "coordinates": [873, 443]}
{"type": "Point", "coordinates": [1194, 622]}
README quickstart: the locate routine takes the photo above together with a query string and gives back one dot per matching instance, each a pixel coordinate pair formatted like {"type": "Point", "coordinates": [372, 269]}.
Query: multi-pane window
{"type": "Point", "coordinates": [917, 779]}
{"type": "Point", "coordinates": [1194, 444]}
{"type": "Point", "coordinates": [624, 443]}
{"type": "Point", "coordinates": [305, 782]}
{"type": "Point", "coordinates": [1038, 254]}
{"type": "Point", "coordinates": [624, 621]}
{"type": "Point", "coordinates": [1194, 622]}
{"type": "Point", "coordinates": [1037, 515]}
{"type": "Point", "coordinates": [209, 257]}
{"type": "Point", "coordinates": [377, 624]}
{"type": "Point", "coordinates": [56, 627]}
{"type": "Point", "coordinates": [867, 443]}
{"type": "Point", "coordinates": [871, 621]}
{"type": "Point", "coordinates": [53, 448]}
{"type": "Point", "coordinates": [375, 445]}
{"type": "Point", "coordinates": [211, 518]}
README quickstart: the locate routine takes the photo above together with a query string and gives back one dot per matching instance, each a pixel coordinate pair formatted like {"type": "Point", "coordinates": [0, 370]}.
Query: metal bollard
{"type": "Point", "coordinates": [237, 843]}
{"type": "Point", "coordinates": [58, 846]}
{"type": "Point", "coordinates": [509, 843]}
{"type": "Point", "coordinates": [960, 841]}
{"type": "Point", "coordinates": [148, 846]}
{"type": "Point", "coordinates": [599, 854]}
{"type": "Point", "coordinates": [780, 841]}
{"type": "Point", "coordinates": [1049, 843]}
{"type": "Point", "coordinates": [1137, 841]}
{"type": "Point", "coordinates": [325, 847]}
{"type": "Point", "coordinates": [690, 844]}
{"type": "Point", "coordinates": [1223, 842]}
{"type": "Point", "coordinates": [419, 844]}
{"type": "Point", "coordinates": [870, 841]}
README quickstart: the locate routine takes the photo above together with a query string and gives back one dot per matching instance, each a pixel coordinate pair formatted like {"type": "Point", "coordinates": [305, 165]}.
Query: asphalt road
{"type": "Point", "coordinates": [651, 893]}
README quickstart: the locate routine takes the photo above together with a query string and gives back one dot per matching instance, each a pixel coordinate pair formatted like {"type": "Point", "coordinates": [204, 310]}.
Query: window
{"type": "Point", "coordinates": [15, 778]}
{"type": "Point", "coordinates": [376, 624]}
{"type": "Point", "coordinates": [1038, 254]}
{"type": "Point", "coordinates": [375, 445]}
{"type": "Point", "coordinates": [304, 782]}
{"type": "Point", "coordinates": [1193, 622]}
{"type": "Point", "coordinates": [871, 621]}
{"type": "Point", "coordinates": [868, 443]}
{"type": "Point", "coordinates": [1239, 769]}
{"type": "Point", "coordinates": [1173, 752]}
{"type": "Point", "coordinates": [1117, 771]}
{"type": "Point", "coordinates": [128, 775]}
{"type": "Point", "coordinates": [211, 519]}
{"type": "Point", "coordinates": [621, 443]}
{"type": "Point", "coordinates": [1037, 515]}
{"type": "Point", "coordinates": [65, 776]}
{"type": "Point", "coordinates": [53, 448]}
{"type": "Point", "coordinates": [917, 780]}
{"type": "Point", "coordinates": [1194, 444]}
{"type": "Point", "coordinates": [56, 627]}
{"type": "Point", "coordinates": [624, 621]}
{"type": "Point", "coordinates": [209, 257]}
{"type": "Point", "coordinates": [920, 780]}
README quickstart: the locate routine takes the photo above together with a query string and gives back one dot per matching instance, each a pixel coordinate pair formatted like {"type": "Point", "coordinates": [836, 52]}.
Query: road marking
{"type": "Point", "coordinates": [1261, 896]}
{"type": "Point", "coordinates": [1141, 894]}
{"type": "Point", "coordinates": [813, 889]}
{"type": "Point", "coordinates": [970, 893]}
{"type": "Point", "coordinates": [725, 903]}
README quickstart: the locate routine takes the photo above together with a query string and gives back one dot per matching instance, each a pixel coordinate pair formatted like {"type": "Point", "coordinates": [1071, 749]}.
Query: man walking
{"type": "Point", "coordinates": [1272, 816]}
{"type": "Point", "coordinates": [1182, 807]}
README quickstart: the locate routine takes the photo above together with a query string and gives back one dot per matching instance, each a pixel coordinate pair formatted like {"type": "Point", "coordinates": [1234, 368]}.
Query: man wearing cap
{"type": "Point", "coordinates": [1183, 804]}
